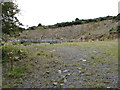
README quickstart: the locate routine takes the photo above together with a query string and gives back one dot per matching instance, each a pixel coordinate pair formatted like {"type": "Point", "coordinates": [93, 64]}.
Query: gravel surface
{"type": "Point", "coordinates": [71, 66]}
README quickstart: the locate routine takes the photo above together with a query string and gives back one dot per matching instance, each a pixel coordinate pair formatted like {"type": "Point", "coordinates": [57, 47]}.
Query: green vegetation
{"type": "Point", "coordinates": [118, 30]}
{"type": "Point", "coordinates": [6, 86]}
{"type": "Point", "coordinates": [13, 60]}
{"type": "Point", "coordinates": [45, 53]}
{"type": "Point", "coordinates": [13, 52]}
{"type": "Point", "coordinates": [118, 17]}
{"type": "Point", "coordinates": [92, 57]}
{"type": "Point", "coordinates": [10, 23]}
{"type": "Point", "coordinates": [98, 86]}
{"type": "Point", "coordinates": [26, 43]}
{"type": "Point", "coordinates": [17, 72]}
{"type": "Point", "coordinates": [77, 21]}
{"type": "Point", "coordinates": [76, 63]}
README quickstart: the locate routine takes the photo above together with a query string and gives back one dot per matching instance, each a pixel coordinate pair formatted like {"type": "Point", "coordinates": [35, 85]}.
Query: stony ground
{"type": "Point", "coordinates": [68, 65]}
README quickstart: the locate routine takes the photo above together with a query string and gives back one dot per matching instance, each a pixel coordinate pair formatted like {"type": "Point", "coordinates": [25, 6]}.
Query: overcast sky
{"type": "Point", "coordinates": [49, 12]}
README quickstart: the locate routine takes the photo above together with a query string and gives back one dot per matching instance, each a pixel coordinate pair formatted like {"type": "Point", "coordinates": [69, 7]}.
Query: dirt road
{"type": "Point", "coordinates": [72, 65]}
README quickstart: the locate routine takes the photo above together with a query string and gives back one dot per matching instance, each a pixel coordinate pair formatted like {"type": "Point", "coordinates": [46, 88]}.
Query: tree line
{"type": "Point", "coordinates": [77, 21]}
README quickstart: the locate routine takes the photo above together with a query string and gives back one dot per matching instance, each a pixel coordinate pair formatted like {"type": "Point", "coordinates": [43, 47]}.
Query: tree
{"type": "Point", "coordinates": [77, 19]}
{"type": "Point", "coordinates": [118, 30]}
{"type": "Point", "coordinates": [10, 23]}
{"type": "Point", "coordinates": [118, 17]}
{"type": "Point", "coordinates": [39, 24]}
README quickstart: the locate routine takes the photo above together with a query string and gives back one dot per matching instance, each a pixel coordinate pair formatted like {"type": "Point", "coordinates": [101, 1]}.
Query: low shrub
{"type": "Point", "coordinates": [10, 51]}
{"type": "Point", "coordinates": [26, 43]}
{"type": "Point", "coordinates": [13, 52]}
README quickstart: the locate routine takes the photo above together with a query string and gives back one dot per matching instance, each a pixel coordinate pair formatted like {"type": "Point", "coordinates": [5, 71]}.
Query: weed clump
{"type": "Point", "coordinates": [17, 72]}
{"type": "Point", "coordinates": [11, 53]}
{"type": "Point", "coordinates": [92, 57]}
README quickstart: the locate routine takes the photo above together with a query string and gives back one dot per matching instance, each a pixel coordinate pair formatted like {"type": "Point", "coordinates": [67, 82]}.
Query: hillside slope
{"type": "Point", "coordinates": [93, 30]}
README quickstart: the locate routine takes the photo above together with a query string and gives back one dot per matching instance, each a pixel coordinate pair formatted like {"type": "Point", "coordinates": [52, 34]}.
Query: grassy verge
{"type": "Point", "coordinates": [13, 55]}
